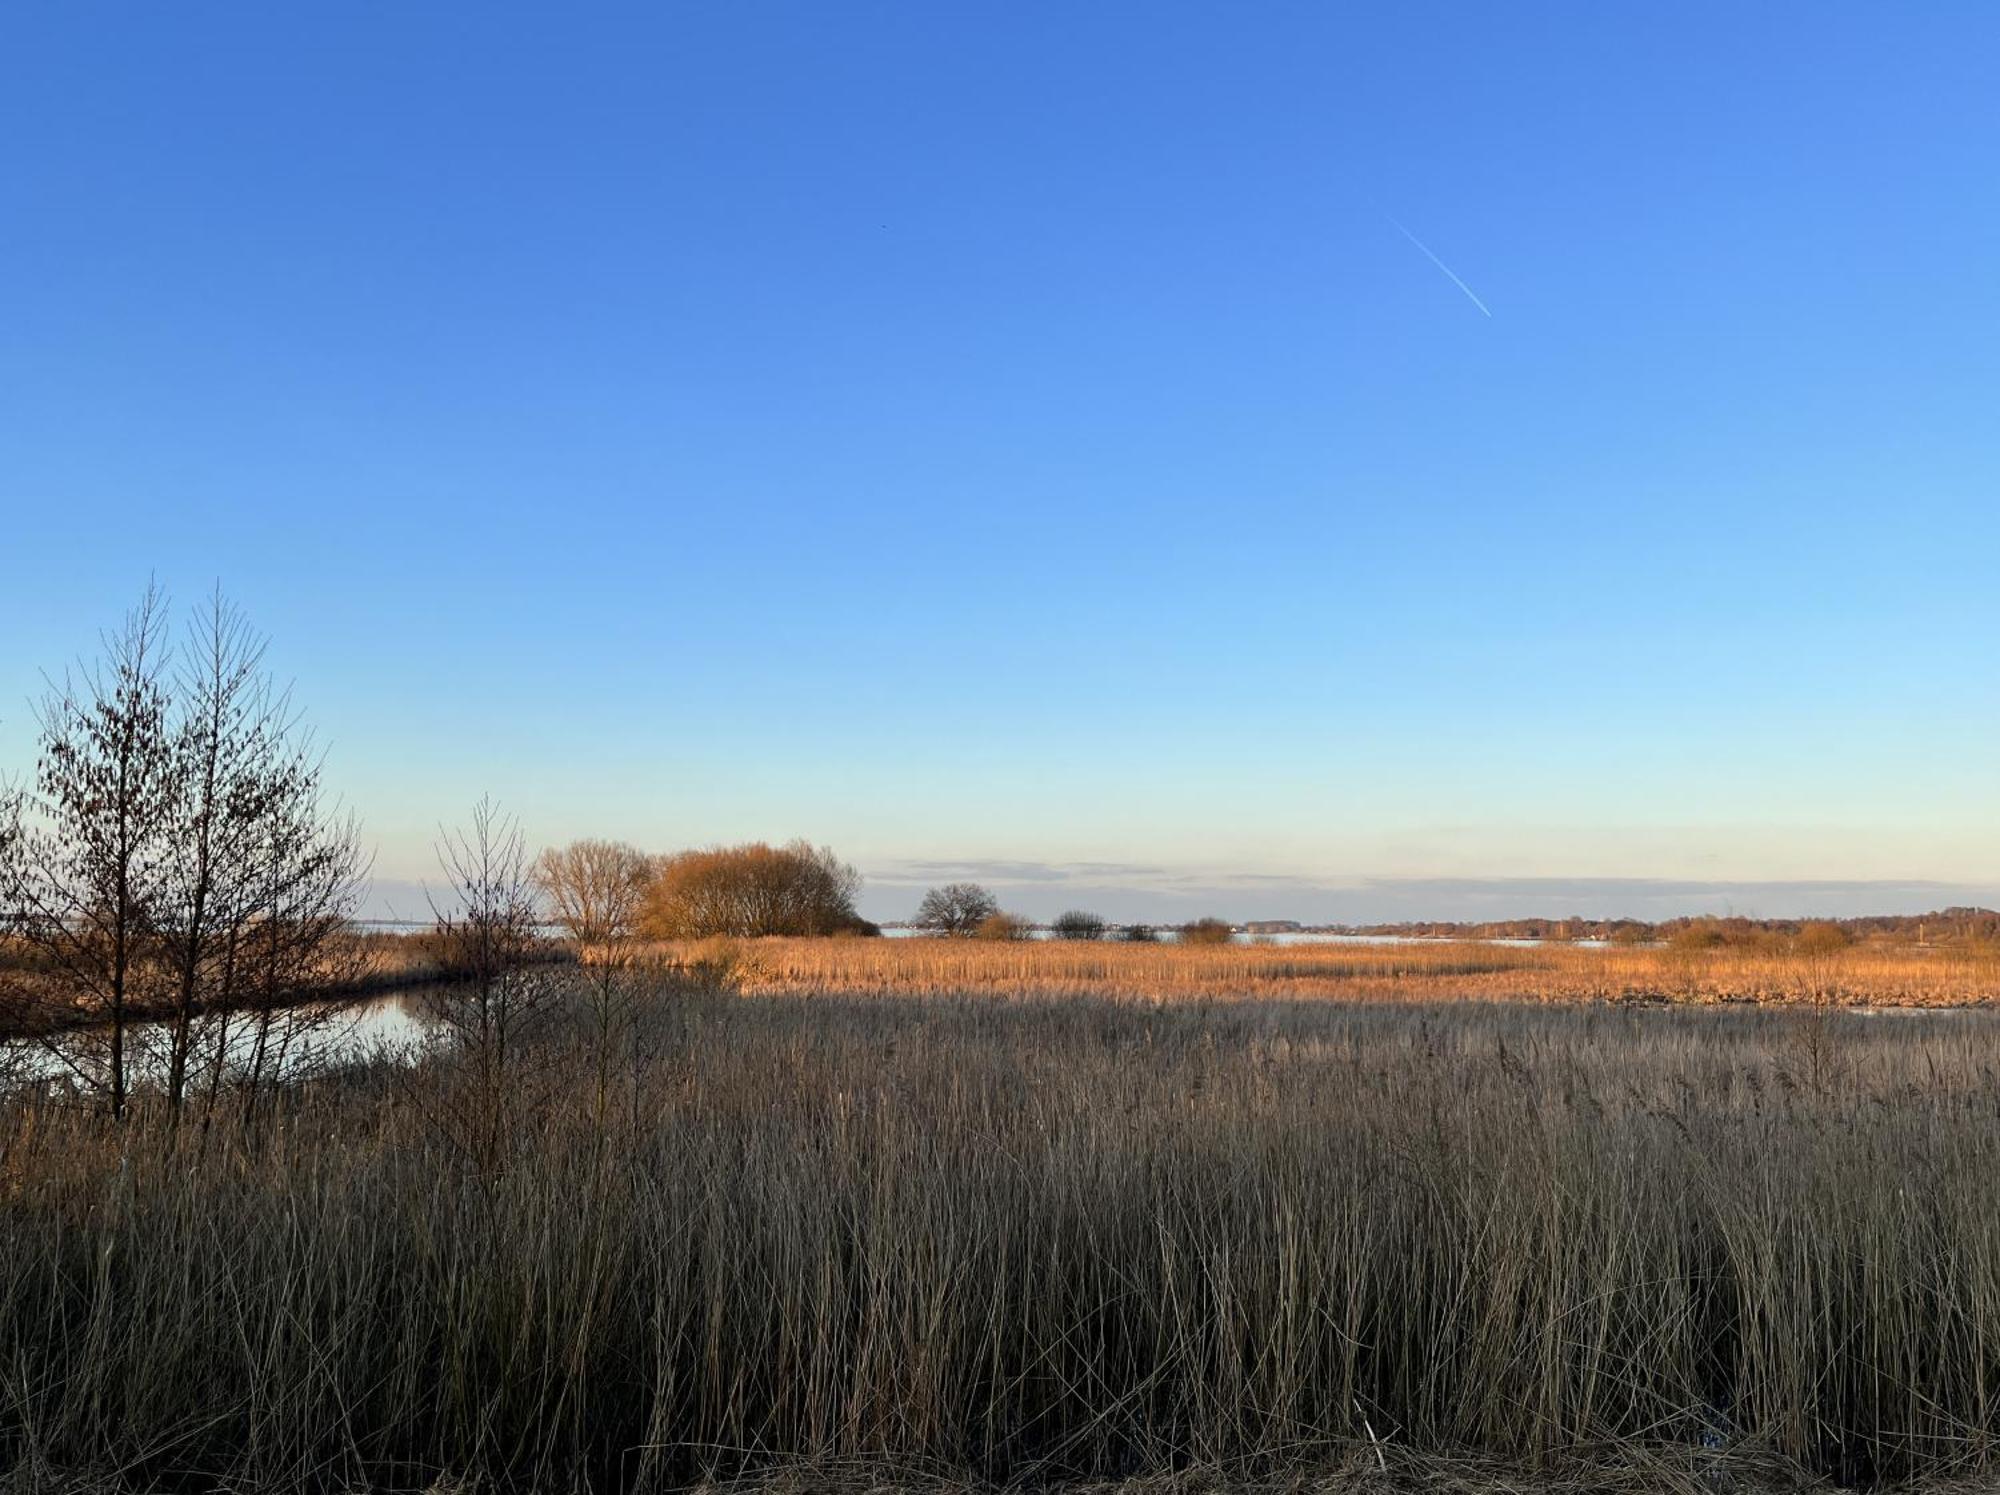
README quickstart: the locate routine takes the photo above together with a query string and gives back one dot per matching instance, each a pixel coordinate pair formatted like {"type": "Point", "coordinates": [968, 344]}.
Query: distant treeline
{"type": "Point", "coordinates": [1943, 926]}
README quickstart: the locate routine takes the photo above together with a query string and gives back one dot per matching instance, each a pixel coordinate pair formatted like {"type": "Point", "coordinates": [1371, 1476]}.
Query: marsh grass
{"type": "Point", "coordinates": [1037, 1241]}
{"type": "Point", "coordinates": [1863, 975]}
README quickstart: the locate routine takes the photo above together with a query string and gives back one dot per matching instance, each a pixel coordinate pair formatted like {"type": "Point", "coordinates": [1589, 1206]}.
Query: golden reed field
{"type": "Point", "coordinates": [1857, 976]}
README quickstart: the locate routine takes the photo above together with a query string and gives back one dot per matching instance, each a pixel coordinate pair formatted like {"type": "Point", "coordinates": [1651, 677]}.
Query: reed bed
{"type": "Point", "coordinates": [951, 1241]}
{"type": "Point", "coordinates": [1864, 975]}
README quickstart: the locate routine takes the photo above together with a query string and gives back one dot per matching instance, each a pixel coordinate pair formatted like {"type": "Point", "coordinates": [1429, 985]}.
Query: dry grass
{"type": "Point", "coordinates": [1175, 1247]}
{"type": "Point", "coordinates": [1866, 975]}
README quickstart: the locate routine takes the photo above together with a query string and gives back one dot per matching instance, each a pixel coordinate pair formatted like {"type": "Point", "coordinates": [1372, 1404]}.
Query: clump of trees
{"type": "Point", "coordinates": [174, 859]}
{"type": "Point", "coordinates": [956, 910]}
{"type": "Point", "coordinates": [745, 891]}
{"type": "Point", "coordinates": [1207, 932]}
{"type": "Point", "coordinates": [1077, 924]}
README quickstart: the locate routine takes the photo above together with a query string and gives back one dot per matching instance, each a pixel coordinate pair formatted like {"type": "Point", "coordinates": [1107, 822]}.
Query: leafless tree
{"type": "Point", "coordinates": [234, 767]}
{"type": "Point", "coordinates": [956, 909]}
{"type": "Point", "coordinates": [486, 932]}
{"type": "Point", "coordinates": [86, 877]}
{"type": "Point", "coordinates": [290, 937]}
{"type": "Point", "coordinates": [174, 859]}
{"type": "Point", "coordinates": [593, 889]}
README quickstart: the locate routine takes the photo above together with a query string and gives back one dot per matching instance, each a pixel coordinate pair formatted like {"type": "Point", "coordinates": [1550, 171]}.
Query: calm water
{"type": "Point", "coordinates": [298, 1042]}
{"type": "Point", "coordinates": [1167, 935]}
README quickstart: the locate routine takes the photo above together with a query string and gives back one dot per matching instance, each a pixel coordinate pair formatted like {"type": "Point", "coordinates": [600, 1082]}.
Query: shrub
{"type": "Point", "coordinates": [1140, 934]}
{"type": "Point", "coordinates": [1078, 925]}
{"type": "Point", "coordinates": [1207, 932]}
{"type": "Point", "coordinates": [1003, 926]}
{"type": "Point", "coordinates": [1699, 934]}
{"type": "Point", "coordinates": [1821, 937]}
{"type": "Point", "coordinates": [745, 891]}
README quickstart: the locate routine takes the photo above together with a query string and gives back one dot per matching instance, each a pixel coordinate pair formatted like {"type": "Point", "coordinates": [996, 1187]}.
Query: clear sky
{"type": "Point", "coordinates": [1032, 440]}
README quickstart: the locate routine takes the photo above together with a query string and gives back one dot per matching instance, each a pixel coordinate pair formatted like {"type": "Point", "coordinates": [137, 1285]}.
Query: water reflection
{"type": "Point", "coordinates": [285, 1047]}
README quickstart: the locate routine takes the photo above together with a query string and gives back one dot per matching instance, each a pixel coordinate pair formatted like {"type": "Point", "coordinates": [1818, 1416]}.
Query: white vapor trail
{"type": "Point", "coordinates": [1470, 294]}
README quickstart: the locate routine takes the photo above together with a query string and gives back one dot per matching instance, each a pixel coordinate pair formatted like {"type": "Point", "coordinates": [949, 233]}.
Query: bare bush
{"type": "Point", "coordinates": [1078, 925]}
{"type": "Point", "coordinates": [497, 1006]}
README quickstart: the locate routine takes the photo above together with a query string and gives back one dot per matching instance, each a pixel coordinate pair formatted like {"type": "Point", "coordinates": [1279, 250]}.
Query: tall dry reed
{"type": "Point", "coordinates": [1865, 975]}
{"type": "Point", "coordinates": [1034, 1241]}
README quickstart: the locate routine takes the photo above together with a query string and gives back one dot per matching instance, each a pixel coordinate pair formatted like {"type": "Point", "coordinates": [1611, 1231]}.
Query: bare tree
{"type": "Point", "coordinates": [486, 933]}
{"type": "Point", "coordinates": [175, 811]}
{"type": "Point", "coordinates": [13, 953]}
{"type": "Point", "coordinates": [289, 938]}
{"type": "Point", "coordinates": [231, 765]}
{"type": "Point", "coordinates": [956, 909]}
{"type": "Point", "coordinates": [593, 889]}
{"type": "Point", "coordinates": [85, 879]}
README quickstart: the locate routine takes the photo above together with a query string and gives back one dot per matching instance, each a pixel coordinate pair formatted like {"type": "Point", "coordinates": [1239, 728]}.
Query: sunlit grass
{"type": "Point", "coordinates": [1864, 975]}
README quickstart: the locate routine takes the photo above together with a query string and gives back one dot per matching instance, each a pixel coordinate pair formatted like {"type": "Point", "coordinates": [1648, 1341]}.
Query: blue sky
{"type": "Point", "coordinates": [1018, 439]}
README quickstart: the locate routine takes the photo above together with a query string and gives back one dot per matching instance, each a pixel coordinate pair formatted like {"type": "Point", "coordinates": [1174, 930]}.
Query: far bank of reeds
{"type": "Point", "coordinates": [1862, 975]}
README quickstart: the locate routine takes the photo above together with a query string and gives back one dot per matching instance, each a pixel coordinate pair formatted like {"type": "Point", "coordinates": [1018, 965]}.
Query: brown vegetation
{"type": "Point", "coordinates": [1004, 926]}
{"type": "Point", "coordinates": [1858, 975]}
{"type": "Point", "coordinates": [799, 889]}
{"type": "Point", "coordinates": [1207, 932]}
{"type": "Point", "coordinates": [594, 890]}
{"type": "Point", "coordinates": [1034, 1242]}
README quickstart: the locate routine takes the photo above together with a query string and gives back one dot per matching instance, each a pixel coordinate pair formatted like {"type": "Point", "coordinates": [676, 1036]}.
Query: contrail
{"type": "Point", "coordinates": [1470, 294]}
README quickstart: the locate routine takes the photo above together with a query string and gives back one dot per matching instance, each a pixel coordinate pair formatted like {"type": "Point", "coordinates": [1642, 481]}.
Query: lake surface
{"type": "Point", "coordinates": [1167, 935]}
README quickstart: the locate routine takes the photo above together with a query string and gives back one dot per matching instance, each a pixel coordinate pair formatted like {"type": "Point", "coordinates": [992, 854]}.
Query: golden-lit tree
{"type": "Point", "coordinates": [758, 889]}
{"type": "Point", "coordinates": [593, 889]}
